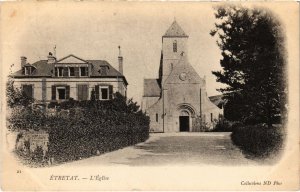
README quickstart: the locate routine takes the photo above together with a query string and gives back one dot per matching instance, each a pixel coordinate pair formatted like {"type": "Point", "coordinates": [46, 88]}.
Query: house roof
{"type": "Point", "coordinates": [71, 59]}
{"type": "Point", "coordinates": [96, 69]}
{"type": "Point", "coordinates": [175, 31]}
{"type": "Point", "coordinates": [43, 69]}
{"type": "Point", "coordinates": [28, 65]}
{"type": "Point", "coordinates": [152, 88]}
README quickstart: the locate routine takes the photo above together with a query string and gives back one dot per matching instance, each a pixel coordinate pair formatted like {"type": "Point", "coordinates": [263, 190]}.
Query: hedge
{"type": "Point", "coordinates": [92, 127]}
{"type": "Point", "coordinates": [258, 140]}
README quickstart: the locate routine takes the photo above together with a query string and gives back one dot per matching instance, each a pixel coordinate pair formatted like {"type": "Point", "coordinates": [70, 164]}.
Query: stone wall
{"type": "Point", "coordinates": [33, 139]}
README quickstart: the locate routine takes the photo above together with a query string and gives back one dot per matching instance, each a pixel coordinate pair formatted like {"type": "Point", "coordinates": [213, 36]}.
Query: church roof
{"type": "Point", "coordinates": [218, 100]}
{"type": "Point", "coordinates": [175, 31]}
{"type": "Point", "coordinates": [151, 88]}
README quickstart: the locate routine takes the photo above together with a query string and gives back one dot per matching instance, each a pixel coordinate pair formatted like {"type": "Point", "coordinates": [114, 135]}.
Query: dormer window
{"type": "Point", "coordinates": [174, 46]}
{"type": "Point", "coordinates": [28, 70]}
{"type": "Point", "coordinates": [71, 71]}
{"type": "Point", "coordinates": [103, 70]}
{"type": "Point", "coordinates": [84, 71]}
{"type": "Point", "coordinates": [59, 71]}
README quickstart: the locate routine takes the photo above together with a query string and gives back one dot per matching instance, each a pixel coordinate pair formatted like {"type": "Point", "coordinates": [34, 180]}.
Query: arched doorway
{"type": "Point", "coordinates": [186, 113]}
{"type": "Point", "coordinates": [184, 121]}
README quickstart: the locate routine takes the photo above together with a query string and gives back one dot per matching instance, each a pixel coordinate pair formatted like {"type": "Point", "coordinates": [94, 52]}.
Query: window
{"type": "Point", "coordinates": [83, 71]}
{"type": "Point", "coordinates": [104, 93]}
{"type": "Point", "coordinates": [66, 71]}
{"type": "Point", "coordinates": [59, 71]}
{"type": "Point", "coordinates": [211, 117]}
{"type": "Point", "coordinates": [156, 117]}
{"type": "Point", "coordinates": [103, 70]}
{"type": "Point", "coordinates": [61, 93]}
{"type": "Point", "coordinates": [28, 90]}
{"type": "Point", "coordinates": [171, 67]}
{"type": "Point", "coordinates": [71, 71]}
{"type": "Point", "coordinates": [174, 46]}
{"type": "Point", "coordinates": [28, 70]}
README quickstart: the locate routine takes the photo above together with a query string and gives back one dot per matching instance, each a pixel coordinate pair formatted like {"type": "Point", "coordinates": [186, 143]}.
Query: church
{"type": "Point", "coordinates": [177, 100]}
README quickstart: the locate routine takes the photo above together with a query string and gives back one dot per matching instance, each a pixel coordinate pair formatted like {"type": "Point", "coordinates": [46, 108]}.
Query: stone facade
{"type": "Point", "coordinates": [177, 100]}
{"type": "Point", "coordinates": [70, 77]}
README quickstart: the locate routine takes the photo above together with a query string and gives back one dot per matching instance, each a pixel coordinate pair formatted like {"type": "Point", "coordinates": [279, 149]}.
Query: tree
{"type": "Point", "coordinates": [252, 45]}
{"type": "Point", "coordinates": [16, 96]}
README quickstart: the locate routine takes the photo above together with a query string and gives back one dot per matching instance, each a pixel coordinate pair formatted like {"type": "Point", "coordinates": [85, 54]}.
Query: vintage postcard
{"type": "Point", "coordinates": [149, 96]}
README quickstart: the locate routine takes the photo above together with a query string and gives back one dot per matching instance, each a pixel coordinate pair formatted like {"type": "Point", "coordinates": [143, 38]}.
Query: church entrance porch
{"type": "Point", "coordinates": [184, 123]}
{"type": "Point", "coordinates": [185, 117]}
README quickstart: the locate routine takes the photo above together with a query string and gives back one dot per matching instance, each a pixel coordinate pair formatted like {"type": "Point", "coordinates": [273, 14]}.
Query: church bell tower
{"type": "Point", "coordinates": [174, 45]}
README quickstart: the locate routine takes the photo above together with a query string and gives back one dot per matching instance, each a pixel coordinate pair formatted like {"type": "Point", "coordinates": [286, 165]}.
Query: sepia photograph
{"type": "Point", "coordinates": [149, 95]}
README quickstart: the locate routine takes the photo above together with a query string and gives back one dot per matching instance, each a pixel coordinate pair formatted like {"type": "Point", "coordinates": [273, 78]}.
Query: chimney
{"type": "Point", "coordinates": [23, 61]}
{"type": "Point", "coordinates": [120, 59]}
{"type": "Point", "coordinates": [51, 58]}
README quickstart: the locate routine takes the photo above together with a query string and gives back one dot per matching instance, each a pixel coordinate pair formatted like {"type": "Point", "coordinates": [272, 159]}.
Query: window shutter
{"type": "Point", "coordinates": [53, 92]}
{"type": "Point", "coordinates": [32, 91]}
{"type": "Point", "coordinates": [85, 91]}
{"type": "Point", "coordinates": [44, 90]}
{"type": "Point", "coordinates": [79, 92]}
{"type": "Point", "coordinates": [97, 92]}
{"type": "Point", "coordinates": [76, 71]}
{"type": "Point", "coordinates": [82, 92]}
{"type": "Point", "coordinates": [110, 91]}
{"type": "Point", "coordinates": [24, 90]}
{"type": "Point", "coordinates": [66, 72]}
{"type": "Point", "coordinates": [28, 90]}
{"type": "Point", "coordinates": [67, 92]}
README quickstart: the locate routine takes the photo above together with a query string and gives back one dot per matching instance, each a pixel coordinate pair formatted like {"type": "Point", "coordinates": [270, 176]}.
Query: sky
{"type": "Point", "coordinates": [94, 30]}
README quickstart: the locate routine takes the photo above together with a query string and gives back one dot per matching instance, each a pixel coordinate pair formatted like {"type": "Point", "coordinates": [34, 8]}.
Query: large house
{"type": "Point", "coordinates": [70, 77]}
{"type": "Point", "coordinates": [177, 100]}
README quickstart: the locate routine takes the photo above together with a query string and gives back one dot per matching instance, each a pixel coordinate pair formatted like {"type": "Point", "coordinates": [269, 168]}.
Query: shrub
{"type": "Point", "coordinates": [223, 126]}
{"type": "Point", "coordinates": [52, 105]}
{"type": "Point", "coordinates": [15, 96]}
{"type": "Point", "coordinates": [25, 118]}
{"type": "Point", "coordinates": [90, 126]}
{"type": "Point", "coordinates": [95, 127]}
{"type": "Point", "coordinates": [226, 126]}
{"type": "Point", "coordinates": [258, 140]}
